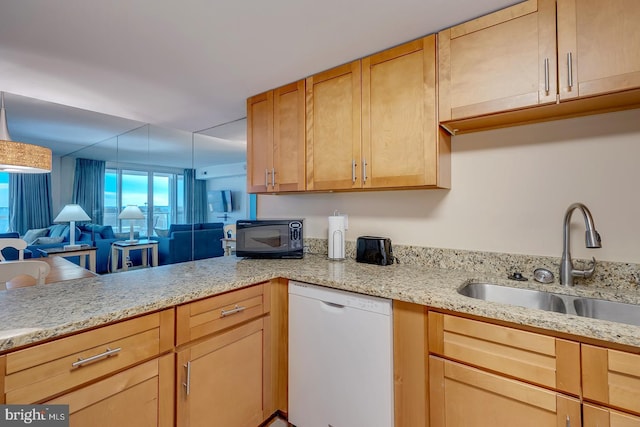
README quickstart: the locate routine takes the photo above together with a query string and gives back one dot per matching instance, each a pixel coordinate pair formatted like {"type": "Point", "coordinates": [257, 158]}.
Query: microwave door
{"type": "Point", "coordinates": [265, 240]}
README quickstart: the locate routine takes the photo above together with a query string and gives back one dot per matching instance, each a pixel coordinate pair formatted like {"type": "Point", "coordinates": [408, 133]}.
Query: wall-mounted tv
{"type": "Point", "coordinates": [219, 201]}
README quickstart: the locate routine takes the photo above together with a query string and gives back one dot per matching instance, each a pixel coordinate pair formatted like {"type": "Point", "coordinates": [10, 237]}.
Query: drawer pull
{"type": "Point", "coordinates": [81, 362]}
{"type": "Point", "coordinates": [234, 310]}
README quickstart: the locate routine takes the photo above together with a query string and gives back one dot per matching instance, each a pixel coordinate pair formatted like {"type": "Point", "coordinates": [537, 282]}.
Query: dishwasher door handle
{"type": "Point", "coordinates": [333, 304]}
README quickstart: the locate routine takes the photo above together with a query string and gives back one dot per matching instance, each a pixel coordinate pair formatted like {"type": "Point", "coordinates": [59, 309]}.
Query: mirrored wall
{"type": "Point", "coordinates": [173, 176]}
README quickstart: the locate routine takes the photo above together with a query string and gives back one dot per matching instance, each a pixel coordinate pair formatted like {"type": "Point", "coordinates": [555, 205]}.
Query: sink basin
{"type": "Point", "coordinates": [515, 296]}
{"type": "Point", "coordinates": [549, 301]}
{"type": "Point", "coordinates": [608, 310]}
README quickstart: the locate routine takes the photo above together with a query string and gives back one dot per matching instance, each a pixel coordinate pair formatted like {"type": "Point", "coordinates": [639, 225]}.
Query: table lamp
{"type": "Point", "coordinates": [131, 212]}
{"type": "Point", "coordinates": [71, 214]}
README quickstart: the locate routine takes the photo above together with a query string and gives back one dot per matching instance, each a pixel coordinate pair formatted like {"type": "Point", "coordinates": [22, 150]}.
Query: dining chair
{"type": "Point", "coordinates": [18, 244]}
{"type": "Point", "coordinates": [12, 269]}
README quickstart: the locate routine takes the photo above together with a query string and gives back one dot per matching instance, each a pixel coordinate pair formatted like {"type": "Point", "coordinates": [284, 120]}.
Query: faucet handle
{"type": "Point", "coordinates": [588, 272]}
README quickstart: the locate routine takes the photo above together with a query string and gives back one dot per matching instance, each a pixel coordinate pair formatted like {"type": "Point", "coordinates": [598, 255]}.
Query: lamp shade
{"type": "Point", "coordinates": [131, 212]}
{"type": "Point", "coordinates": [20, 157]}
{"type": "Point", "coordinates": [72, 213]}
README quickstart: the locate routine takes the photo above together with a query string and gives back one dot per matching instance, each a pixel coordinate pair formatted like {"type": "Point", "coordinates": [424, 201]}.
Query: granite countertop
{"type": "Point", "coordinates": [29, 315]}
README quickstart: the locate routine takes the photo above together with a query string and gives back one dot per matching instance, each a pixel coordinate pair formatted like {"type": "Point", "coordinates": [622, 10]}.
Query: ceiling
{"type": "Point", "coordinates": [184, 65]}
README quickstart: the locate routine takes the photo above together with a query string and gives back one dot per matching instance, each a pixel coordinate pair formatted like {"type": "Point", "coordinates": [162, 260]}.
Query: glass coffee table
{"type": "Point", "coordinates": [84, 252]}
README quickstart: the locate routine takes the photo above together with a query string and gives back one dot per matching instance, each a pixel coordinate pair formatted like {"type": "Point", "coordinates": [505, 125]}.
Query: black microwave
{"type": "Point", "coordinates": [269, 238]}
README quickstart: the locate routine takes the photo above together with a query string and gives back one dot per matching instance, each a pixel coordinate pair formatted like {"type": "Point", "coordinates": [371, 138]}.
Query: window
{"type": "Point", "coordinates": [159, 195]}
{"type": "Point", "coordinates": [4, 202]}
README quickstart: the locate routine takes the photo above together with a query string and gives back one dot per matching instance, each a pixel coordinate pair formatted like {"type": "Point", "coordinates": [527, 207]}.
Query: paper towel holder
{"type": "Point", "coordinates": [336, 236]}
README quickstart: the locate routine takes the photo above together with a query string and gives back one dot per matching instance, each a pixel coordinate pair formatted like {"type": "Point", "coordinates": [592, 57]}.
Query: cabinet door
{"type": "Point", "coordinates": [333, 129]}
{"type": "Point", "coordinates": [499, 62]}
{"type": "Point", "coordinates": [139, 396]}
{"type": "Point", "coordinates": [288, 172]}
{"type": "Point", "coordinates": [461, 396]}
{"type": "Point", "coordinates": [259, 142]}
{"type": "Point", "coordinates": [611, 377]}
{"type": "Point", "coordinates": [598, 416]}
{"type": "Point", "coordinates": [220, 380]}
{"type": "Point", "coordinates": [598, 45]}
{"type": "Point", "coordinates": [399, 124]}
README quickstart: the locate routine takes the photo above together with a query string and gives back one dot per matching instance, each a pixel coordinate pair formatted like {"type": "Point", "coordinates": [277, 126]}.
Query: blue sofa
{"type": "Point", "coordinates": [188, 242]}
{"type": "Point", "coordinates": [100, 236]}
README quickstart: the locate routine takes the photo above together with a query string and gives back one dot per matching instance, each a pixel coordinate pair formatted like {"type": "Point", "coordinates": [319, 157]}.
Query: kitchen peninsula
{"type": "Point", "coordinates": [47, 315]}
{"type": "Point", "coordinates": [35, 314]}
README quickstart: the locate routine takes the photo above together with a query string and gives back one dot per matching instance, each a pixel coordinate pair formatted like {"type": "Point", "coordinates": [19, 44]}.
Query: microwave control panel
{"type": "Point", "coordinates": [295, 234]}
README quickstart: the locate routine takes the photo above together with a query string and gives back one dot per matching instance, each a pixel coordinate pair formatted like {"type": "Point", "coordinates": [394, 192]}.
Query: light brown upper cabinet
{"type": "Point", "coordinates": [598, 47]}
{"type": "Point", "coordinates": [401, 142]}
{"type": "Point", "coordinates": [333, 128]}
{"type": "Point", "coordinates": [494, 69]}
{"type": "Point", "coordinates": [275, 140]}
{"type": "Point", "coordinates": [372, 124]}
{"type": "Point", "coordinates": [499, 62]}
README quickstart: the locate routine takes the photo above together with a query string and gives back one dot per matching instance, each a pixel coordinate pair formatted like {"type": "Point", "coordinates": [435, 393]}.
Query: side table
{"type": "Point", "coordinates": [124, 247]}
{"type": "Point", "coordinates": [84, 252]}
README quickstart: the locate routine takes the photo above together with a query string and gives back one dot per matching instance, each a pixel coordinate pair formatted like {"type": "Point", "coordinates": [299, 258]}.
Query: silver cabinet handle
{"type": "Point", "coordinates": [568, 421]}
{"type": "Point", "coordinates": [234, 310]}
{"type": "Point", "coordinates": [187, 385]}
{"type": "Point", "coordinates": [364, 171]}
{"type": "Point", "coordinates": [266, 178]}
{"type": "Point", "coordinates": [569, 70]}
{"type": "Point", "coordinates": [109, 352]}
{"type": "Point", "coordinates": [273, 177]}
{"type": "Point", "coordinates": [353, 171]}
{"type": "Point", "coordinates": [546, 75]}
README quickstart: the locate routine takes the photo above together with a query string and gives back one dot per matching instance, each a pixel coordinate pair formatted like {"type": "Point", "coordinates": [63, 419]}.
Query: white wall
{"type": "Point", "coordinates": [510, 189]}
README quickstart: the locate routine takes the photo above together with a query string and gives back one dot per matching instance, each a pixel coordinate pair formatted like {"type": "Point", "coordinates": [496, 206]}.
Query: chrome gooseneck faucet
{"type": "Point", "coordinates": [592, 237]}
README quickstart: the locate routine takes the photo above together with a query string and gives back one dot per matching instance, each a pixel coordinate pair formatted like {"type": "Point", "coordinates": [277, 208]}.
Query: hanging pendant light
{"type": "Point", "coordinates": [19, 157]}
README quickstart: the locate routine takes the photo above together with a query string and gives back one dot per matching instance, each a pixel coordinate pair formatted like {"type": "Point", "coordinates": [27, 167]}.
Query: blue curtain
{"type": "Point", "coordinates": [195, 198]}
{"type": "Point", "coordinates": [88, 187]}
{"type": "Point", "coordinates": [29, 201]}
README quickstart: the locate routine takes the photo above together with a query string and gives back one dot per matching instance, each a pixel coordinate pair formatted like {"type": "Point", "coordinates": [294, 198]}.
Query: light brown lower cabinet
{"type": "Point", "coordinates": [462, 396]}
{"type": "Point", "coordinates": [221, 379]}
{"type": "Point", "coordinates": [140, 396]}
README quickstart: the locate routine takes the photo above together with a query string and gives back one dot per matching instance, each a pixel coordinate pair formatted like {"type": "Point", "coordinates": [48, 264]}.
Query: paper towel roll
{"type": "Point", "coordinates": [336, 237]}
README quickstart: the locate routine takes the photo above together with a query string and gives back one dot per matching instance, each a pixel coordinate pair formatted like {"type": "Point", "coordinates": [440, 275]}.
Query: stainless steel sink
{"type": "Point", "coordinates": [515, 296]}
{"type": "Point", "coordinates": [559, 303]}
{"type": "Point", "coordinates": [608, 310]}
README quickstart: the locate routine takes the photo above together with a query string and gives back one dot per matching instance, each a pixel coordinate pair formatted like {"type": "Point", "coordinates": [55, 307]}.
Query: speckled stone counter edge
{"type": "Point", "coordinates": [31, 315]}
{"type": "Point", "coordinates": [613, 275]}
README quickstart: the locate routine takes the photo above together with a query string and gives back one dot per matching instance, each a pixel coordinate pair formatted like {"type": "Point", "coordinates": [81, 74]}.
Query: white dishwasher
{"type": "Point", "coordinates": [340, 358]}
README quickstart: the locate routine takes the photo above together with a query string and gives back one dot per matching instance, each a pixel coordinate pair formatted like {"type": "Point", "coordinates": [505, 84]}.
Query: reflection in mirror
{"type": "Point", "coordinates": [144, 165]}
{"type": "Point", "coordinates": [225, 173]}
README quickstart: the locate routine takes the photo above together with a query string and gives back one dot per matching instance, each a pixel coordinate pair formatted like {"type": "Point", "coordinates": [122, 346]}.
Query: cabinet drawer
{"type": "Point", "coordinates": [535, 358]}
{"type": "Point", "coordinates": [198, 319]}
{"type": "Point", "coordinates": [142, 395]}
{"type": "Point", "coordinates": [611, 377]}
{"type": "Point", "coordinates": [46, 370]}
{"type": "Point", "coordinates": [598, 416]}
